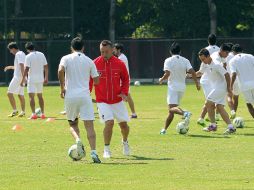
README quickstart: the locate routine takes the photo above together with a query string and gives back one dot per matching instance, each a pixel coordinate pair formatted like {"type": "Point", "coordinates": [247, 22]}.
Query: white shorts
{"type": "Point", "coordinates": [81, 106]}
{"type": "Point", "coordinates": [15, 87]}
{"type": "Point", "coordinates": [236, 89]}
{"type": "Point", "coordinates": [206, 89]}
{"type": "Point", "coordinates": [174, 97]}
{"type": "Point", "coordinates": [249, 96]}
{"type": "Point", "coordinates": [116, 111]}
{"type": "Point", "coordinates": [217, 96]}
{"type": "Point", "coordinates": [35, 87]}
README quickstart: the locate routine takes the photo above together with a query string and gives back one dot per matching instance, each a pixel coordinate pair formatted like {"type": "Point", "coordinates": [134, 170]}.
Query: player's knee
{"type": "Point", "coordinates": [73, 123]}
{"type": "Point", "coordinates": [109, 123]}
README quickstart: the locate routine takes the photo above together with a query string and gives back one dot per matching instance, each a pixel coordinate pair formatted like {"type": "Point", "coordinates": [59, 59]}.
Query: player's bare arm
{"type": "Point", "coordinates": [8, 68]}
{"type": "Point", "coordinates": [164, 77]}
{"type": "Point", "coordinates": [193, 73]}
{"type": "Point", "coordinates": [46, 73]}
{"type": "Point", "coordinates": [61, 73]}
{"type": "Point", "coordinates": [22, 83]}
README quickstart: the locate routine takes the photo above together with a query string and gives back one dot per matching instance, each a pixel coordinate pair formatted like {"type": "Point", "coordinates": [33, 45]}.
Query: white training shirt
{"type": "Point", "coordinates": [243, 65]}
{"type": "Point", "coordinates": [19, 59]}
{"type": "Point", "coordinates": [78, 70]}
{"type": "Point", "coordinates": [124, 59]}
{"type": "Point", "coordinates": [216, 75]}
{"type": "Point", "coordinates": [36, 61]}
{"type": "Point", "coordinates": [211, 49]}
{"type": "Point", "coordinates": [177, 66]}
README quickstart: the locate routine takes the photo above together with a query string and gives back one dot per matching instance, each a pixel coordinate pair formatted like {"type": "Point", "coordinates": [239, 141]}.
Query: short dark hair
{"type": "Point", "coordinates": [106, 43]}
{"type": "Point", "coordinates": [230, 44]}
{"type": "Point", "coordinates": [204, 52]}
{"type": "Point", "coordinates": [77, 43]}
{"type": "Point", "coordinates": [237, 48]}
{"type": "Point", "coordinates": [119, 46]}
{"type": "Point", "coordinates": [175, 48]}
{"type": "Point", "coordinates": [212, 39]}
{"type": "Point", "coordinates": [29, 46]}
{"type": "Point", "coordinates": [225, 47]}
{"type": "Point", "coordinates": [12, 45]}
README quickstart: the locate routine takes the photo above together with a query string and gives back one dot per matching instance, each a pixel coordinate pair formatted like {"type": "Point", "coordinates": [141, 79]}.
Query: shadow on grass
{"type": "Point", "coordinates": [247, 134]}
{"type": "Point", "coordinates": [135, 157]}
{"type": "Point", "coordinates": [206, 136]}
{"type": "Point", "coordinates": [124, 163]}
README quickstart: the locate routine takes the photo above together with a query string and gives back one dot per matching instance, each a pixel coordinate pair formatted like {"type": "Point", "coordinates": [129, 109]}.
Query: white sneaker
{"type": "Point", "coordinates": [81, 149]}
{"type": "Point", "coordinates": [106, 153]}
{"type": "Point", "coordinates": [163, 132]}
{"type": "Point", "coordinates": [126, 148]}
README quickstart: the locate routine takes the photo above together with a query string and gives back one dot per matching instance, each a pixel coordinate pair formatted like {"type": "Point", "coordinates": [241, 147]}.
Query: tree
{"type": "Point", "coordinates": [112, 20]}
{"type": "Point", "coordinates": [213, 16]}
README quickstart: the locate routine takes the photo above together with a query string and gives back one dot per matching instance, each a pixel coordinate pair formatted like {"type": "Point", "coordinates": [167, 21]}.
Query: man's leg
{"type": "Point", "coordinates": [251, 109]}
{"type": "Point", "coordinates": [12, 102]}
{"type": "Point", "coordinates": [223, 113]}
{"type": "Point", "coordinates": [107, 133]}
{"type": "Point", "coordinates": [22, 102]}
{"type": "Point", "coordinates": [235, 101]}
{"type": "Point", "coordinates": [201, 120]}
{"type": "Point", "coordinates": [125, 133]}
{"type": "Point", "coordinates": [91, 136]}
{"type": "Point", "coordinates": [41, 102]}
{"type": "Point", "coordinates": [132, 106]}
{"type": "Point", "coordinates": [32, 102]}
{"type": "Point", "coordinates": [172, 110]}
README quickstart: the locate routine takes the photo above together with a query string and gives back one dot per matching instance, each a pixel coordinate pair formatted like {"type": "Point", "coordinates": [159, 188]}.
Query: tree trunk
{"type": "Point", "coordinates": [112, 20]}
{"type": "Point", "coordinates": [213, 16]}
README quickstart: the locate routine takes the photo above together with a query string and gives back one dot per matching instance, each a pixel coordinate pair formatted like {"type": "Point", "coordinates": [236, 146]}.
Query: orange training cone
{"type": "Point", "coordinates": [50, 120]}
{"type": "Point", "coordinates": [16, 128]}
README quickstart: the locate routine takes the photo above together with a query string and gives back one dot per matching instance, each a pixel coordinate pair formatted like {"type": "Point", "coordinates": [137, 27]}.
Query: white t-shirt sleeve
{"type": "Point", "coordinates": [27, 62]}
{"type": "Point", "coordinates": [203, 68]}
{"type": "Point", "coordinates": [63, 62]}
{"type": "Point", "coordinates": [188, 65]}
{"type": "Point", "coordinates": [93, 72]}
{"type": "Point", "coordinates": [21, 58]}
{"type": "Point", "coordinates": [166, 65]}
{"type": "Point", "coordinates": [221, 69]}
{"type": "Point", "coordinates": [232, 66]}
{"type": "Point", "coordinates": [44, 60]}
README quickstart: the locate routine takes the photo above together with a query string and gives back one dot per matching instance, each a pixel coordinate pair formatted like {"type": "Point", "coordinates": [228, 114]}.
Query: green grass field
{"type": "Point", "coordinates": [35, 158]}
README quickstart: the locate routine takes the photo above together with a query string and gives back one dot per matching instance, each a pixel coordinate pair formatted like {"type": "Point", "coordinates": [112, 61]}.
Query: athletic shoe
{"type": "Point", "coordinates": [106, 153]}
{"type": "Point", "coordinates": [229, 131]}
{"type": "Point", "coordinates": [22, 114]}
{"type": "Point", "coordinates": [95, 158]}
{"type": "Point", "coordinates": [81, 149]}
{"type": "Point", "coordinates": [201, 122]}
{"type": "Point", "coordinates": [63, 112]}
{"type": "Point", "coordinates": [43, 116]}
{"type": "Point", "coordinates": [163, 132]}
{"type": "Point", "coordinates": [33, 116]}
{"type": "Point", "coordinates": [134, 116]}
{"type": "Point", "coordinates": [14, 113]}
{"type": "Point", "coordinates": [187, 116]}
{"type": "Point", "coordinates": [210, 128]}
{"type": "Point", "coordinates": [232, 114]}
{"type": "Point", "coordinates": [126, 148]}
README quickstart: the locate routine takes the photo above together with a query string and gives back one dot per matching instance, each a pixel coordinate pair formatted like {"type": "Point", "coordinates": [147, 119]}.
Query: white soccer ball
{"type": "Point", "coordinates": [238, 122]}
{"type": "Point", "coordinates": [73, 153]}
{"type": "Point", "coordinates": [137, 83]}
{"type": "Point", "coordinates": [182, 128]}
{"type": "Point", "coordinates": [38, 112]}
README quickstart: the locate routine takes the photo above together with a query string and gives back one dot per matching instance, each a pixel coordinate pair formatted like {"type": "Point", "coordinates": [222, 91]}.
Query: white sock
{"type": "Point", "coordinates": [201, 120]}
{"type": "Point", "coordinates": [125, 142]}
{"type": "Point", "coordinates": [78, 140]}
{"type": "Point", "coordinates": [213, 124]}
{"type": "Point", "coordinates": [106, 147]}
{"type": "Point", "coordinates": [230, 126]}
{"type": "Point", "coordinates": [93, 151]}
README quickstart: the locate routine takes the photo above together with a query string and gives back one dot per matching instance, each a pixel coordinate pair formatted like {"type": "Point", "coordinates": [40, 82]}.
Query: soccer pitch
{"type": "Point", "coordinates": [36, 156]}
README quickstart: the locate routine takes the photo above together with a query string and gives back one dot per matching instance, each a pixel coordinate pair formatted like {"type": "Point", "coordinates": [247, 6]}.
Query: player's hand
{"type": "Point", "coordinates": [45, 81]}
{"type": "Point", "coordinates": [123, 96]}
{"type": "Point", "coordinates": [6, 68]}
{"type": "Point", "coordinates": [93, 100]}
{"type": "Point", "coordinates": [62, 93]}
{"type": "Point", "coordinates": [160, 80]}
{"type": "Point", "coordinates": [198, 86]}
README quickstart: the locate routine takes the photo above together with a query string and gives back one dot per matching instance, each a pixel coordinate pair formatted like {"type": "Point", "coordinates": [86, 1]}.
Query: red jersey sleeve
{"type": "Point", "coordinates": [125, 79]}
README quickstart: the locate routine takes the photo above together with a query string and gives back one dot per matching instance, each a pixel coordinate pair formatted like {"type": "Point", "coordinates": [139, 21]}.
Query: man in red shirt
{"type": "Point", "coordinates": [110, 94]}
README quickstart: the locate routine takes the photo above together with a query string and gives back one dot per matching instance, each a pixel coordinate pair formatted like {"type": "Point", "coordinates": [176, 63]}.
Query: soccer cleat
{"type": "Point", "coordinates": [95, 158]}
{"type": "Point", "coordinates": [134, 116]}
{"type": "Point", "coordinates": [33, 116]}
{"type": "Point", "coordinates": [163, 132]}
{"type": "Point", "coordinates": [22, 114]}
{"type": "Point", "coordinates": [81, 149]}
{"type": "Point", "coordinates": [43, 116]}
{"type": "Point", "coordinates": [14, 113]}
{"type": "Point", "coordinates": [187, 116]}
{"type": "Point", "coordinates": [229, 131]}
{"type": "Point", "coordinates": [210, 128]}
{"type": "Point", "coordinates": [126, 148]}
{"type": "Point", "coordinates": [201, 122]}
{"type": "Point", "coordinates": [106, 153]}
